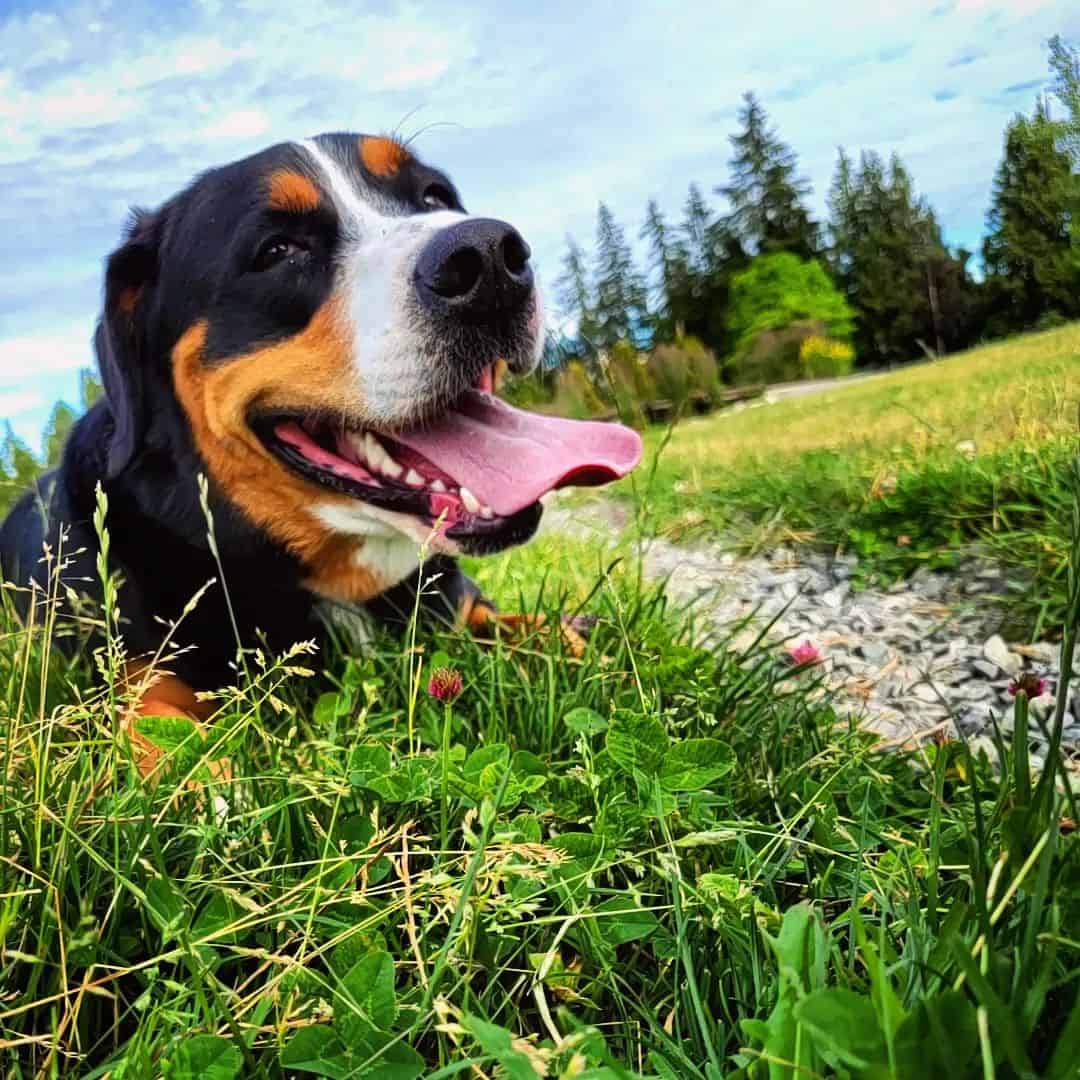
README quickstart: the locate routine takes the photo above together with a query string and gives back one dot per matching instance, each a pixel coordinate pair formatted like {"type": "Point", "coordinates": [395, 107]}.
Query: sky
{"type": "Point", "coordinates": [536, 110]}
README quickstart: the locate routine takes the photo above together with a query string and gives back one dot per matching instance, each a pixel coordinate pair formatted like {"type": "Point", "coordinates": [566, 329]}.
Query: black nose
{"type": "Point", "coordinates": [475, 270]}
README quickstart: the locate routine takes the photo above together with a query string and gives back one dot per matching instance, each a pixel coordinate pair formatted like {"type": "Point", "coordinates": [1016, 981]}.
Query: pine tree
{"type": "Point", "coordinates": [575, 296]}
{"type": "Point", "coordinates": [1031, 255]}
{"type": "Point", "coordinates": [705, 254]}
{"type": "Point", "coordinates": [664, 259]}
{"type": "Point", "coordinates": [18, 468]}
{"type": "Point", "coordinates": [90, 388]}
{"type": "Point", "coordinates": [61, 421]}
{"type": "Point", "coordinates": [889, 259]}
{"type": "Point", "coordinates": [1065, 64]}
{"type": "Point", "coordinates": [620, 309]}
{"type": "Point", "coordinates": [768, 213]}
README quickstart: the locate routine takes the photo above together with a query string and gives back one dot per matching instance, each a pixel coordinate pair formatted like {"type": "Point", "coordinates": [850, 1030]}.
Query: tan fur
{"type": "Point", "coordinates": [311, 370]}
{"type": "Point", "coordinates": [292, 193]}
{"type": "Point", "coordinates": [158, 694]}
{"type": "Point", "coordinates": [127, 300]}
{"type": "Point", "coordinates": [382, 156]}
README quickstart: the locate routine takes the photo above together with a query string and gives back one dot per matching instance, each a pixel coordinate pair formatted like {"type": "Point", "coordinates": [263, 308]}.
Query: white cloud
{"type": "Point", "coordinates": [239, 124]}
{"type": "Point", "coordinates": [29, 356]}
{"type": "Point", "coordinates": [15, 402]}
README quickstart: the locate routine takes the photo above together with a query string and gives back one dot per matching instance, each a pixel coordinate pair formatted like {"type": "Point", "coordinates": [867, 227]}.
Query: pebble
{"type": "Point", "coordinates": [900, 658]}
{"type": "Point", "coordinates": [997, 652]}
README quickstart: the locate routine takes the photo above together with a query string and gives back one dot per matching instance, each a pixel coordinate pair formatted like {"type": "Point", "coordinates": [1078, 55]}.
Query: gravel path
{"type": "Point", "coordinates": [920, 658]}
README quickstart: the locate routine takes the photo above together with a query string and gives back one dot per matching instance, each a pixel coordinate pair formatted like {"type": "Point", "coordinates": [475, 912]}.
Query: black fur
{"type": "Point", "coordinates": [183, 263]}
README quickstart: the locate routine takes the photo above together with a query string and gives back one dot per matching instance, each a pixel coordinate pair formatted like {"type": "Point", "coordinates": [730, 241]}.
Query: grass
{"type": "Point", "coordinates": [902, 469]}
{"type": "Point", "coordinates": [659, 862]}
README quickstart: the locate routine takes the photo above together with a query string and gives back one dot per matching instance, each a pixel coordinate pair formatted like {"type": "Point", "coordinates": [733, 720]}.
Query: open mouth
{"type": "Point", "coordinates": [480, 469]}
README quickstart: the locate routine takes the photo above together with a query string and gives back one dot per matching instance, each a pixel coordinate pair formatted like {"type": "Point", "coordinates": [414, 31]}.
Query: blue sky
{"type": "Point", "coordinates": [536, 110]}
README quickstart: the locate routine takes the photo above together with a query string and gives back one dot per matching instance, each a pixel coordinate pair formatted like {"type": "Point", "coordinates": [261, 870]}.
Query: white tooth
{"type": "Point", "coordinates": [372, 450]}
{"type": "Point", "coordinates": [414, 479]}
{"type": "Point", "coordinates": [356, 441]}
{"type": "Point", "coordinates": [486, 512]}
{"type": "Point", "coordinates": [437, 485]}
{"type": "Point", "coordinates": [472, 503]}
{"type": "Point", "coordinates": [378, 457]}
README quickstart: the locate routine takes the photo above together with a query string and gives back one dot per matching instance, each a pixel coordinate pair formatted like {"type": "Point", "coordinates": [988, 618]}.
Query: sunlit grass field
{"type": "Point", "coordinates": [903, 469]}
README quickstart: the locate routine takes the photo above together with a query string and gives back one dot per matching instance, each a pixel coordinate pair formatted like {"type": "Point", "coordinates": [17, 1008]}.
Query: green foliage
{"type": "Point", "coordinates": [628, 381]}
{"type": "Point", "coordinates": [908, 291]}
{"type": "Point", "coordinates": [1065, 65]}
{"type": "Point", "coordinates": [1031, 254]}
{"type": "Point", "coordinates": [776, 303]}
{"type": "Point", "coordinates": [90, 388]}
{"type": "Point", "coordinates": [768, 212]}
{"type": "Point", "coordinates": [18, 468]}
{"type": "Point", "coordinates": [778, 290]}
{"type": "Point", "coordinates": [614, 858]}
{"type": "Point", "coordinates": [61, 421]}
{"type": "Point", "coordinates": [683, 368]}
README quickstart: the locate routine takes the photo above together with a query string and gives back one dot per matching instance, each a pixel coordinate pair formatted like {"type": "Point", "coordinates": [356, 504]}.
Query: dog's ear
{"type": "Point", "coordinates": [119, 340]}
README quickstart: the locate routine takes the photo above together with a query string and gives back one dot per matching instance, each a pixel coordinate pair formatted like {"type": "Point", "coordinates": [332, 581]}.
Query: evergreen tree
{"type": "Point", "coordinates": [1031, 255]}
{"type": "Point", "coordinates": [1065, 64]}
{"type": "Point", "coordinates": [768, 212]}
{"type": "Point", "coordinates": [18, 468]}
{"type": "Point", "coordinates": [887, 255]}
{"type": "Point", "coordinates": [620, 309]}
{"type": "Point", "coordinates": [90, 388]}
{"type": "Point", "coordinates": [60, 423]}
{"type": "Point", "coordinates": [574, 294]}
{"type": "Point", "coordinates": [665, 266]}
{"type": "Point", "coordinates": [705, 255]}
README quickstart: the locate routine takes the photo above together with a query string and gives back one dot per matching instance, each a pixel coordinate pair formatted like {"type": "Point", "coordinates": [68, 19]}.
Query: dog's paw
{"type": "Point", "coordinates": [574, 630]}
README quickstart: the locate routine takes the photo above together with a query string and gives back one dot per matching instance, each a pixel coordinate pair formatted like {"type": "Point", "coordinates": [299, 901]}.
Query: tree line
{"type": "Point", "coordinates": [880, 252]}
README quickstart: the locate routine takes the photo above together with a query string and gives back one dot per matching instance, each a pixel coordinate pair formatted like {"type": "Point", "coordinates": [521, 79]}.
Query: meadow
{"type": "Point", "coordinates": [903, 469]}
{"type": "Point", "coordinates": [651, 860]}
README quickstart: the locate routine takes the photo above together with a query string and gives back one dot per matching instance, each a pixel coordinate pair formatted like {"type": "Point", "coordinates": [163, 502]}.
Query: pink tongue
{"type": "Point", "coordinates": [508, 458]}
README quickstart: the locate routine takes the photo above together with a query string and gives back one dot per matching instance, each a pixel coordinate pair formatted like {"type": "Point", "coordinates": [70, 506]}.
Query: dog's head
{"type": "Point", "coordinates": [328, 321]}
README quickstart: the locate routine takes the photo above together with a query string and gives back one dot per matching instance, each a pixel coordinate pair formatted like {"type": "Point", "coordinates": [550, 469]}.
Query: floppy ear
{"type": "Point", "coordinates": [118, 339]}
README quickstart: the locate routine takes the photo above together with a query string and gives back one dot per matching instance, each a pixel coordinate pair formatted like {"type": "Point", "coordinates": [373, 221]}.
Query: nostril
{"type": "Point", "coordinates": [515, 253]}
{"type": "Point", "coordinates": [459, 273]}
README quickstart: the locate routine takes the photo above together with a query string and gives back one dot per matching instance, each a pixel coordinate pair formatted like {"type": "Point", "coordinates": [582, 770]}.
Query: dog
{"type": "Point", "coordinates": [316, 330]}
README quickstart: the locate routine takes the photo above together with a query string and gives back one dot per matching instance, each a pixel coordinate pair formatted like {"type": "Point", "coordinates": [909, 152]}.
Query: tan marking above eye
{"type": "Point", "coordinates": [292, 193]}
{"type": "Point", "coordinates": [128, 298]}
{"type": "Point", "coordinates": [382, 156]}
{"type": "Point", "coordinates": [311, 370]}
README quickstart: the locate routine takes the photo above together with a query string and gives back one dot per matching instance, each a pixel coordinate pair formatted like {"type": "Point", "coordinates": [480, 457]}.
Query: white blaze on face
{"type": "Point", "coordinates": [377, 254]}
{"type": "Point", "coordinates": [391, 349]}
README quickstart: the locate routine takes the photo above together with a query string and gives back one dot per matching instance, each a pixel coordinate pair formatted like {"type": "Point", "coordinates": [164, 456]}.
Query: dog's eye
{"type": "Point", "coordinates": [436, 197]}
{"type": "Point", "coordinates": [277, 249]}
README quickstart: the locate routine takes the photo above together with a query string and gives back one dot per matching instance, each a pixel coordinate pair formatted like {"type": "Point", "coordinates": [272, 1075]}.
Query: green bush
{"type": "Point", "coordinates": [776, 304]}
{"type": "Point", "coordinates": [628, 381]}
{"type": "Point", "coordinates": [576, 395]}
{"type": "Point", "coordinates": [683, 368]}
{"type": "Point", "coordinates": [773, 355]}
{"type": "Point", "coordinates": [823, 358]}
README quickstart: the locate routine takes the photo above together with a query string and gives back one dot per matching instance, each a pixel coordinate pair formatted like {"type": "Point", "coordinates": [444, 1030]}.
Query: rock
{"type": "Point", "coordinates": [984, 667]}
{"type": "Point", "coordinates": [997, 652]}
{"type": "Point", "coordinates": [929, 693]}
{"type": "Point", "coordinates": [874, 652]}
